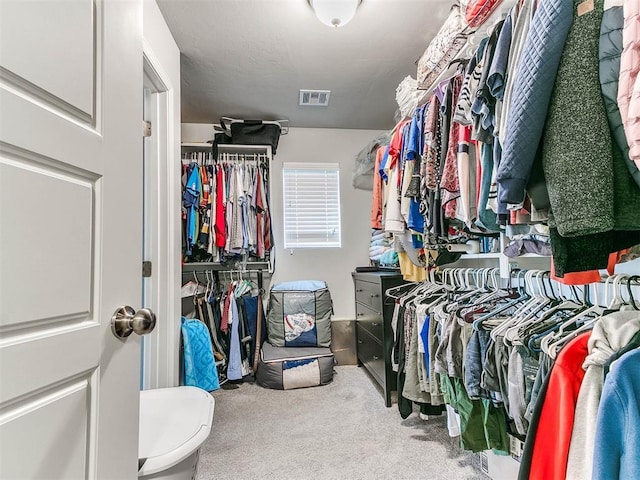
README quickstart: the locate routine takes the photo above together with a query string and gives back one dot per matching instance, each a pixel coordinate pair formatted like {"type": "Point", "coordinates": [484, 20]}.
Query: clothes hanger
{"type": "Point", "coordinates": [489, 291]}
{"type": "Point", "coordinates": [470, 292]}
{"type": "Point", "coordinates": [633, 344]}
{"type": "Point", "coordinates": [196, 291]}
{"type": "Point", "coordinates": [539, 300]}
{"type": "Point", "coordinates": [553, 328]}
{"type": "Point", "coordinates": [423, 291]}
{"type": "Point", "coordinates": [477, 297]}
{"type": "Point", "coordinates": [617, 300]}
{"type": "Point", "coordinates": [552, 344]}
{"type": "Point", "coordinates": [555, 346]}
{"type": "Point", "coordinates": [595, 309]}
{"type": "Point", "coordinates": [553, 320]}
{"type": "Point", "coordinates": [399, 291]}
{"type": "Point", "coordinates": [632, 301]}
{"type": "Point", "coordinates": [498, 298]}
{"type": "Point", "coordinates": [461, 61]}
{"type": "Point", "coordinates": [501, 307]}
{"type": "Point", "coordinates": [207, 290]}
{"type": "Point", "coordinates": [528, 287]}
{"type": "Point", "coordinates": [550, 321]}
{"type": "Point", "coordinates": [527, 313]}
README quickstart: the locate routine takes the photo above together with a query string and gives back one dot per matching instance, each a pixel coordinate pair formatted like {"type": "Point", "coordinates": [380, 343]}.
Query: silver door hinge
{"type": "Point", "coordinates": [146, 128]}
{"type": "Point", "coordinates": [146, 269]}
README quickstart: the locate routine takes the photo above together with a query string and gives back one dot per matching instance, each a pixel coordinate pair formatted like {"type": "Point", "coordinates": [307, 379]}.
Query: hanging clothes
{"type": "Point", "coordinates": [616, 455]}
{"type": "Point", "coordinates": [191, 201]}
{"type": "Point", "coordinates": [610, 334]}
{"type": "Point", "coordinates": [220, 225]}
{"type": "Point", "coordinates": [449, 179]}
{"type": "Point", "coordinates": [225, 205]}
{"type": "Point", "coordinates": [611, 45]}
{"type": "Point", "coordinates": [629, 86]}
{"type": "Point", "coordinates": [605, 198]}
{"type": "Point", "coordinates": [522, 22]}
{"type": "Point", "coordinates": [230, 312]}
{"type": "Point", "coordinates": [533, 85]}
{"type": "Point", "coordinates": [551, 425]}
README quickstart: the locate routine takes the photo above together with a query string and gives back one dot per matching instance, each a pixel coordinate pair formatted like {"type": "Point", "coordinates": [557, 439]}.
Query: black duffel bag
{"type": "Point", "coordinates": [219, 138]}
{"type": "Point", "coordinates": [253, 132]}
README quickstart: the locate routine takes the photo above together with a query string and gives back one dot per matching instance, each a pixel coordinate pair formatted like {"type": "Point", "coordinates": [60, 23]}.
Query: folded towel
{"type": "Point", "coordinates": [378, 250]}
{"type": "Point", "coordinates": [380, 243]}
{"type": "Point", "coordinates": [389, 258]}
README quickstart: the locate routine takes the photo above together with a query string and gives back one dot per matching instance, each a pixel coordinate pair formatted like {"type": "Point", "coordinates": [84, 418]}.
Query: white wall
{"type": "Point", "coordinates": [162, 346]}
{"type": "Point", "coordinates": [197, 132]}
{"type": "Point", "coordinates": [334, 265]}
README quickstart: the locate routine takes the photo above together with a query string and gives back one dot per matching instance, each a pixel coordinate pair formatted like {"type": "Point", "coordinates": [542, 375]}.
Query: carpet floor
{"type": "Point", "coordinates": [334, 432]}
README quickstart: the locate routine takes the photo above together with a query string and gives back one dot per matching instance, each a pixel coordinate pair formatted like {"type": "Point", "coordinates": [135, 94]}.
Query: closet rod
{"type": "Point", "coordinates": [249, 267]}
{"type": "Point", "coordinates": [259, 270]}
{"type": "Point", "coordinates": [235, 159]}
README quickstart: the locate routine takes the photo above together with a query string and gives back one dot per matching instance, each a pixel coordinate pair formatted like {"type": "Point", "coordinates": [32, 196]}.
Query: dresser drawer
{"type": "Point", "coordinates": [369, 294]}
{"type": "Point", "coordinates": [369, 320]}
{"type": "Point", "coordinates": [371, 354]}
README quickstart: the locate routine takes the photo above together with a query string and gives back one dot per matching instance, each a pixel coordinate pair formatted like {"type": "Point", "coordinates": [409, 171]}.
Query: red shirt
{"type": "Point", "coordinates": [396, 144]}
{"type": "Point", "coordinates": [376, 203]}
{"type": "Point", "coordinates": [551, 447]}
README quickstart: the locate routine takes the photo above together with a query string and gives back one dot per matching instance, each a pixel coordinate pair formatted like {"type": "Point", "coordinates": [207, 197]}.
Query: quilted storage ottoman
{"type": "Point", "coordinates": [299, 314]}
{"type": "Point", "coordinates": [283, 368]}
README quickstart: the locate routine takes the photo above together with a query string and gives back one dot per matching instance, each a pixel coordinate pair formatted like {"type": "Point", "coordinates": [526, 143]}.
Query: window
{"type": "Point", "coordinates": [311, 193]}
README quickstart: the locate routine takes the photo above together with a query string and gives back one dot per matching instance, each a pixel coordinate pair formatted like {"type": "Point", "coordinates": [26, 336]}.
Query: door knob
{"type": "Point", "coordinates": [126, 320]}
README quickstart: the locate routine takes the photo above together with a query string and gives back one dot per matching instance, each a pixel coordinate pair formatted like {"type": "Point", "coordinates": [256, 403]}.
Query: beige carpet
{"type": "Point", "coordinates": [338, 431]}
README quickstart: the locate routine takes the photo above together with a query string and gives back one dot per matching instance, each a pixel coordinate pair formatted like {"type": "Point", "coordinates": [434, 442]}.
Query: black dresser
{"type": "Point", "coordinates": [373, 326]}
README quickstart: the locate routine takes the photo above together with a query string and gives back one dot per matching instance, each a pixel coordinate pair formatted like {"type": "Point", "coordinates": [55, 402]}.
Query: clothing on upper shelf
{"type": "Point", "coordinates": [380, 249]}
{"type": "Point", "coordinates": [407, 95]}
{"type": "Point", "coordinates": [537, 103]}
{"type": "Point", "coordinates": [523, 14]}
{"type": "Point", "coordinates": [606, 199]}
{"type": "Point", "coordinates": [225, 209]}
{"type": "Point", "coordinates": [377, 196]}
{"type": "Point", "coordinates": [533, 83]}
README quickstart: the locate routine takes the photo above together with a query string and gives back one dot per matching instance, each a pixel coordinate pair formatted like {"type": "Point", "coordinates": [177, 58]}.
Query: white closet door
{"type": "Point", "coordinates": [70, 236]}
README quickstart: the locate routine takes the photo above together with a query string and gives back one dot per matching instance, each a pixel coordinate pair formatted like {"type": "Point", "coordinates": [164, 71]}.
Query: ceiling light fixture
{"type": "Point", "coordinates": [334, 13]}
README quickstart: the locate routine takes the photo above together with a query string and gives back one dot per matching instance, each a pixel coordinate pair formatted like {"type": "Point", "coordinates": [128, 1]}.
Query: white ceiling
{"type": "Point", "coordinates": [249, 59]}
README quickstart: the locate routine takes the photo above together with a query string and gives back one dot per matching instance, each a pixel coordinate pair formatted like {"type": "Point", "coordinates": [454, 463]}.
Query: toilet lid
{"type": "Point", "coordinates": [174, 422]}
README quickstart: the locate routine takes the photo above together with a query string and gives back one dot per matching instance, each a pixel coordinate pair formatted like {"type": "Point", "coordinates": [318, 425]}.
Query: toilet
{"type": "Point", "coordinates": [174, 423]}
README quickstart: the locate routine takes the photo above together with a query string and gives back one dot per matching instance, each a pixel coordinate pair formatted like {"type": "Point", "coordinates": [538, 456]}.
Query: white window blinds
{"type": "Point", "coordinates": [311, 205]}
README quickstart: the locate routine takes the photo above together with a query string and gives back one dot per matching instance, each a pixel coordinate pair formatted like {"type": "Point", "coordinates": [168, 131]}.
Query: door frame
{"type": "Point", "coordinates": [163, 226]}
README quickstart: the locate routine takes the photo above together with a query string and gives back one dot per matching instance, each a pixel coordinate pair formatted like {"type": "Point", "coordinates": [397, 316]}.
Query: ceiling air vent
{"type": "Point", "coordinates": [314, 98]}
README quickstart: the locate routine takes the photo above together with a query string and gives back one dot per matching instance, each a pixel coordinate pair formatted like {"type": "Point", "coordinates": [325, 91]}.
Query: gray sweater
{"type": "Point", "coordinates": [577, 145]}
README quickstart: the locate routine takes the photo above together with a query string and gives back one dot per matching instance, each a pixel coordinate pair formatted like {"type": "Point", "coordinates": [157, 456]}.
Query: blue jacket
{"type": "Point", "coordinates": [617, 447]}
{"type": "Point", "coordinates": [533, 84]}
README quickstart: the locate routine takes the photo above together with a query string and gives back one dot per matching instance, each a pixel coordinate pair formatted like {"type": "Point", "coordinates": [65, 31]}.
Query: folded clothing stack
{"type": "Point", "coordinates": [389, 259]}
{"type": "Point", "coordinates": [407, 96]}
{"type": "Point", "coordinates": [530, 243]}
{"type": "Point", "coordinates": [380, 249]}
